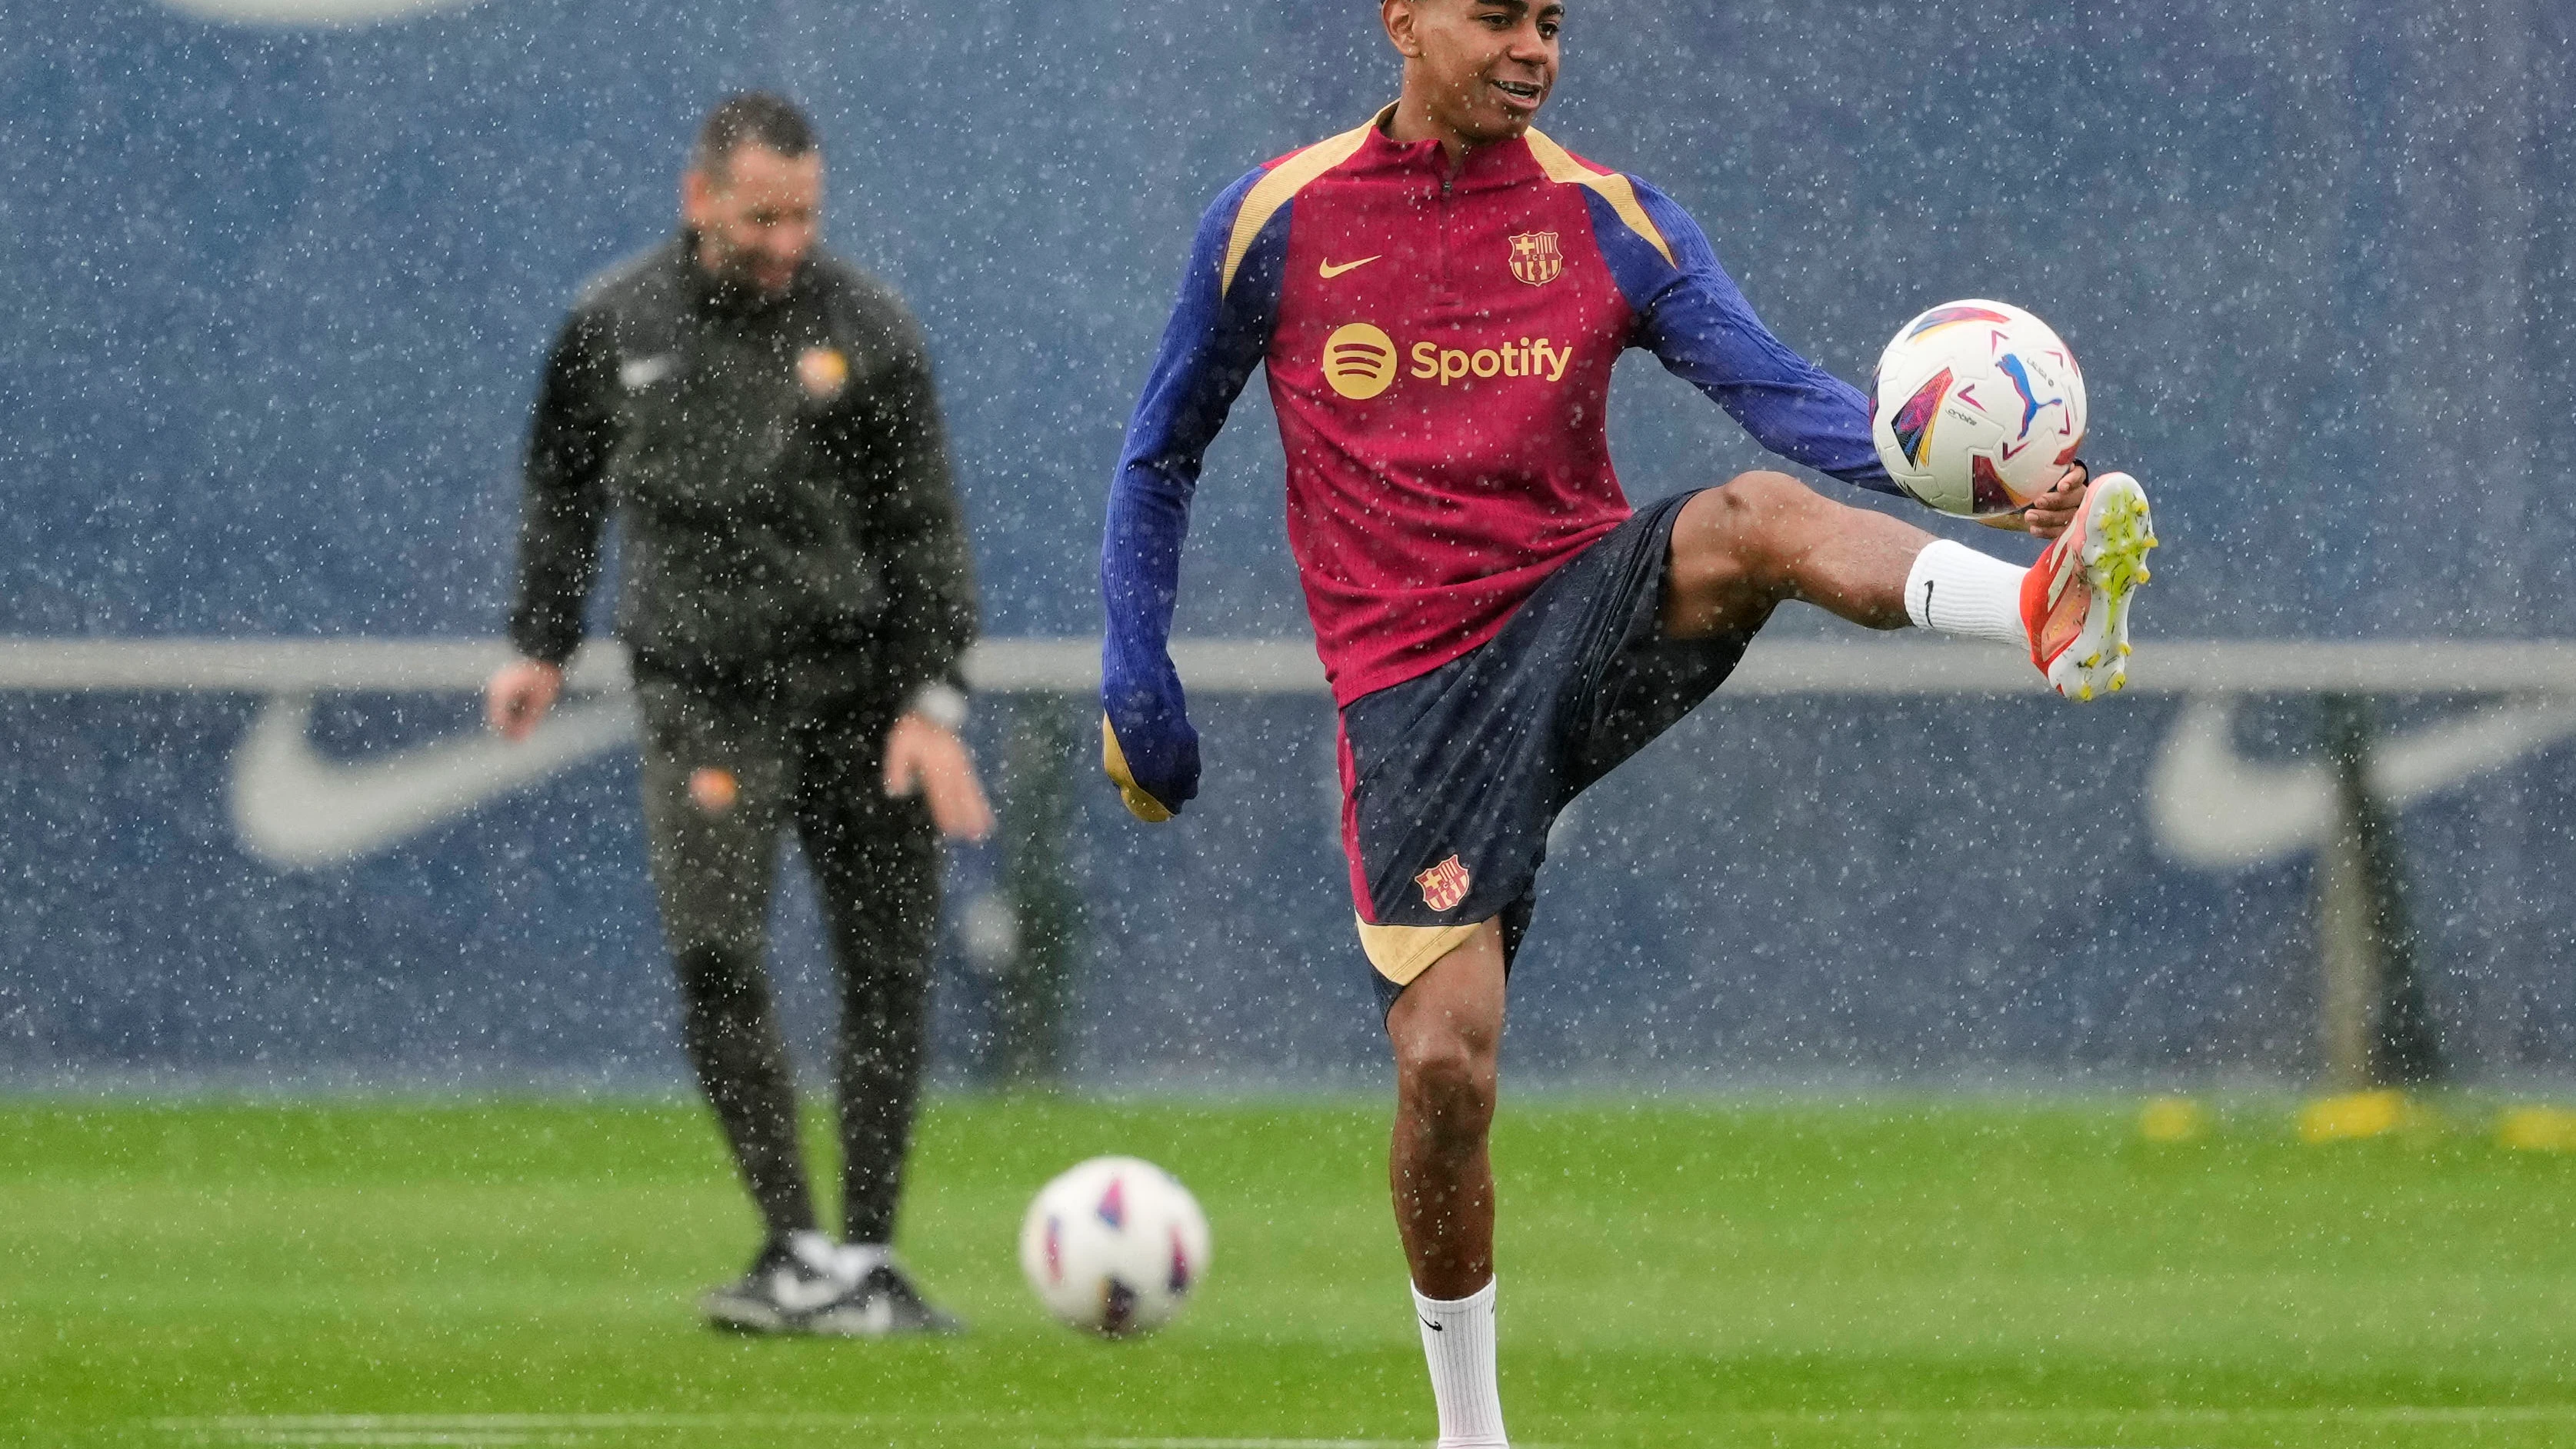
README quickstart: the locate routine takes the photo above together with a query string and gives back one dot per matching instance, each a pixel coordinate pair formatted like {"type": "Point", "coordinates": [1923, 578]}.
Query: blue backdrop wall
{"type": "Point", "coordinates": [278, 293]}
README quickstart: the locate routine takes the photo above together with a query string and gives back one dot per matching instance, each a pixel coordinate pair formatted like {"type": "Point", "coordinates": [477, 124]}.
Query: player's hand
{"type": "Point", "coordinates": [923, 758]}
{"type": "Point", "coordinates": [1156, 773]}
{"type": "Point", "coordinates": [1147, 747]}
{"type": "Point", "coordinates": [519, 695]}
{"type": "Point", "coordinates": [2053, 512]}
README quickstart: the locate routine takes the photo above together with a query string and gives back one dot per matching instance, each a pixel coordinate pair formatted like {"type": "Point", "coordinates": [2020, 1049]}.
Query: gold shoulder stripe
{"type": "Point", "coordinates": [1560, 165]}
{"type": "Point", "coordinates": [1401, 953]}
{"type": "Point", "coordinates": [1274, 191]}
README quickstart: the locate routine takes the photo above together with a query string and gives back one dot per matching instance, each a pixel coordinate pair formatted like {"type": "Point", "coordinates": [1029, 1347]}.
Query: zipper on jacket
{"type": "Point", "coordinates": [1447, 287]}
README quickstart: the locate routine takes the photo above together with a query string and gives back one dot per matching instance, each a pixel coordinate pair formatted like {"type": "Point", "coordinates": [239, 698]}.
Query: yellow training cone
{"type": "Point", "coordinates": [2173, 1119]}
{"type": "Point", "coordinates": [2356, 1115]}
{"type": "Point", "coordinates": [2538, 1129]}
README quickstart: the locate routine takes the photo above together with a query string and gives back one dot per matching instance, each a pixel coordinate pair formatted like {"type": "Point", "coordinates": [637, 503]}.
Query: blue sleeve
{"type": "Point", "coordinates": [1216, 337]}
{"type": "Point", "coordinates": [1693, 318]}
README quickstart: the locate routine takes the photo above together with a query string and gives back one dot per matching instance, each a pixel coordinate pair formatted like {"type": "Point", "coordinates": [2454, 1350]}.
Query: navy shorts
{"type": "Point", "coordinates": [1451, 780]}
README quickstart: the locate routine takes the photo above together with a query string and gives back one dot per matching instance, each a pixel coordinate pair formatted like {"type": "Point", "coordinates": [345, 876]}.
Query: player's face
{"type": "Point", "coordinates": [757, 220]}
{"type": "Point", "coordinates": [1482, 67]}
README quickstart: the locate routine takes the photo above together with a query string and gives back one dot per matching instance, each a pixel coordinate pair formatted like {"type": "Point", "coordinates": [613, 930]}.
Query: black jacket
{"type": "Point", "coordinates": [778, 469]}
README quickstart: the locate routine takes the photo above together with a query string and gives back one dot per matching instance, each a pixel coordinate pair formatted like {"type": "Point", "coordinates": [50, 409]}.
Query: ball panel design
{"type": "Point", "coordinates": [1977, 407]}
{"type": "Point", "coordinates": [1114, 1246]}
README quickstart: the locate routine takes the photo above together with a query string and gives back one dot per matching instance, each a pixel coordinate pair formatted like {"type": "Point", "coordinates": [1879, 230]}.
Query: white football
{"type": "Point", "coordinates": [1977, 407]}
{"type": "Point", "coordinates": [1114, 1246]}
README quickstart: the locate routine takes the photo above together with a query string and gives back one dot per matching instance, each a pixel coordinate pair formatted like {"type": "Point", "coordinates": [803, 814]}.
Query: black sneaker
{"type": "Point", "coordinates": [791, 1284]}
{"type": "Point", "coordinates": [884, 1303]}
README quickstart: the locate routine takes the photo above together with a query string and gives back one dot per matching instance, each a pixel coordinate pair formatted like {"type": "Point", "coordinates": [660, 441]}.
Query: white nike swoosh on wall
{"type": "Point", "coordinates": [294, 809]}
{"type": "Point", "coordinates": [2206, 804]}
{"type": "Point", "coordinates": [309, 12]}
{"type": "Point", "coordinates": [2210, 806]}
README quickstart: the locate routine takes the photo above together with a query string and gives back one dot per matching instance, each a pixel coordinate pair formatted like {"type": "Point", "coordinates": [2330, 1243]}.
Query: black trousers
{"type": "Point", "coordinates": [725, 771]}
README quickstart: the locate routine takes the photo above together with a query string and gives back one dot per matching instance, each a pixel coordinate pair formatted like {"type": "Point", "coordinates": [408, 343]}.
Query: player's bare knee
{"type": "Point", "coordinates": [1764, 492]}
{"type": "Point", "coordinates": [1442, 1053]}
{"type": "Point", "coordinates": [1770, 520]}
{"type": "Point", "coordinates": [1739, 538]}
{"type": "Point", "coordinates": [1445, 1081]}
{"type": "Point", "coordinates": [1766, 509]}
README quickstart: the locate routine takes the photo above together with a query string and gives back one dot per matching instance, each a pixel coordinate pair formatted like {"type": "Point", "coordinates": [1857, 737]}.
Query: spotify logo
{"type": "Point", "coordinates": [1359, 361]}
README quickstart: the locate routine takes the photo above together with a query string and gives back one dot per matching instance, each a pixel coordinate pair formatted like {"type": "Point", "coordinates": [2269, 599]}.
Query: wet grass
{"type": "Point", "coordinates": [1717, 1273]}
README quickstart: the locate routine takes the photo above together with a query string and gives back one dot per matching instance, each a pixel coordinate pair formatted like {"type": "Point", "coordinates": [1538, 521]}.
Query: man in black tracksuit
{"type": "Point", "coordinates": [797, 595]}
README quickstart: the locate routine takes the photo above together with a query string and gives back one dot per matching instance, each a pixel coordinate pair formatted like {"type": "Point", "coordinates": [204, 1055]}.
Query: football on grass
{"type": "Point", "coordinates": [1114, 1246]}
{"type": "Point", "coordinates": [1977, 408]}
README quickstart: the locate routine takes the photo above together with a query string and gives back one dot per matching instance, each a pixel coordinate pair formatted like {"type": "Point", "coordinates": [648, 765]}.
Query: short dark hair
{"type": "Point", "coordinates": [750, 118]}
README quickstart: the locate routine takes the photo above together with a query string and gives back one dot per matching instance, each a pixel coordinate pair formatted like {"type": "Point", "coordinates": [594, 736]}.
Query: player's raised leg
{"type": "Point", "coordinates": [1446, 1030]}
{"type": "Point", "coordinates": [1742, 550]}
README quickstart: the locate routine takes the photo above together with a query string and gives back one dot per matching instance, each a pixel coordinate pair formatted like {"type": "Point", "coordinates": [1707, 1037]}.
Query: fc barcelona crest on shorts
{"type": "Point", "coordinates": [1443, 885]}
{"type": "Point", "coordinates": [1535, 259]}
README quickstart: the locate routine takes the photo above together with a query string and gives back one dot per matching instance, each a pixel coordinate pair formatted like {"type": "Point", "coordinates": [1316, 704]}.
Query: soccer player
{"type": "Point", "coordinates": [1438, 296]}
{"type": "Point", "coordinates": [760, 416]}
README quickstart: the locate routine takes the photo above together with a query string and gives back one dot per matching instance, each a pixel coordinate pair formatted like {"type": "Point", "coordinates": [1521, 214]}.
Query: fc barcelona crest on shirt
{"type": "Point", "coordinates": [1443, 885]}
{"type": "Point", "coordinates": [1535, 259]}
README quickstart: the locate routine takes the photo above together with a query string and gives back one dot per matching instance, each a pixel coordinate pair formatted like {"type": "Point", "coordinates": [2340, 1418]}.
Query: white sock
{"type": "Point", "coordinates": [1458, 1339]}
{"type": "Point", "coordinates": [1953, 589]}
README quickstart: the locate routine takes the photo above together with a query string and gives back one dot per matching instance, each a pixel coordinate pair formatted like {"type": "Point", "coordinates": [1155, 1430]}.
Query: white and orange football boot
{"type": "Point", "coordinates": [2075, 600]}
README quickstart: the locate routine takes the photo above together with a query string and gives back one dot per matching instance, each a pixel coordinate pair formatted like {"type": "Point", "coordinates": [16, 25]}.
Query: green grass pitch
{"type": "Point", "coordinates": [1713, 1272]}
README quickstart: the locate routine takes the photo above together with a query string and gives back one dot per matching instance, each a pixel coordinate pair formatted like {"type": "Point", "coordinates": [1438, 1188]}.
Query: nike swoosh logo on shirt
{"type": "Point", "coordinates": [1330, 269]}
{"type": "Point", "coordinates": [643, 372]}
